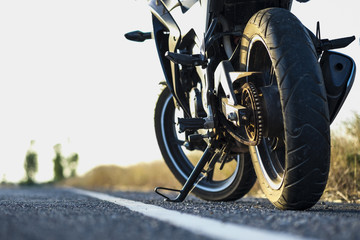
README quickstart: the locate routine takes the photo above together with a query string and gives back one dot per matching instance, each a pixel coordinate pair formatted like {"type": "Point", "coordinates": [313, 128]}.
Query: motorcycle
{"type": "Point", "coordinates": [250, 93]}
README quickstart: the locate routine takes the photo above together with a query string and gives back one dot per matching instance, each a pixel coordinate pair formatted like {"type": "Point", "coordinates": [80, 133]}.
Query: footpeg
{"type": "Point", "coordinates": [186, 59]}
{"type": "Point", "coordinates": [191, 124]}
{"type": "Point", "coordinates": [326, 44]}
{"type": "Point", "coordinates": [196, 138]}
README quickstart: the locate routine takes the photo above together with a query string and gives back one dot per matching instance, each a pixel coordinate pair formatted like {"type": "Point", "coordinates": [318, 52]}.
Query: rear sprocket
{"type": "Point", "coordinates": [250, 98]}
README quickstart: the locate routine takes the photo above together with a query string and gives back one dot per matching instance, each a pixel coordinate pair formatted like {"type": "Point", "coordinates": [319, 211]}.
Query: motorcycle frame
{"type": "Point", "coordinates": [168, 36]}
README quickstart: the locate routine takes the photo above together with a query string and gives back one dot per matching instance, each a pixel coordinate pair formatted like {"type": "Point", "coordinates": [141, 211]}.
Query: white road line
{"type": "Point", "coordinates": [199, 225]}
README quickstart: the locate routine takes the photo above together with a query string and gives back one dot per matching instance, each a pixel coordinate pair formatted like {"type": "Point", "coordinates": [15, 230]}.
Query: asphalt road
{"type": "Point", "coordinates": [50, 213]}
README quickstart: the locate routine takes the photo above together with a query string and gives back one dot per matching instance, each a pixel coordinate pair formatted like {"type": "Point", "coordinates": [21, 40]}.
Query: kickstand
{"type": "Point", "coordinates": [188, 186]}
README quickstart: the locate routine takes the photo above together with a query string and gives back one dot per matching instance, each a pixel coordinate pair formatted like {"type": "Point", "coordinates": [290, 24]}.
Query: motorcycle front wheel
{"type": "Point", "coordinates": [292, 166]}
{"type": "Point", "coordinates": [233, 181]}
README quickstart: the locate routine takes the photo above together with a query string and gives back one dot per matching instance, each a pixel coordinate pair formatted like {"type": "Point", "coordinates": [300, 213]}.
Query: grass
{"type": "Point", "coordinates": [344, 177]}
{"type": "Point", "coordinates": [140, 177]}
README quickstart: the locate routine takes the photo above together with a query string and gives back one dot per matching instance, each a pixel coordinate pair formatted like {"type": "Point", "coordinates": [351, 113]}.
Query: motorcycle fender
{"type": "Point", "coordinates": [339, 73]}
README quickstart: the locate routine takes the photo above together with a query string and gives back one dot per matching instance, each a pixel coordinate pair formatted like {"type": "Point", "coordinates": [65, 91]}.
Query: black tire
{"type": "Point", "coordinates": [293, 174]}
{"type": "Point", "coordinates": [176, 156]}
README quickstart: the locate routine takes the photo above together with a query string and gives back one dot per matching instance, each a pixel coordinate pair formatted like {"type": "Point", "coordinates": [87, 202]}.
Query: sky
{"type": "Point", "coordinates": [68, 76]}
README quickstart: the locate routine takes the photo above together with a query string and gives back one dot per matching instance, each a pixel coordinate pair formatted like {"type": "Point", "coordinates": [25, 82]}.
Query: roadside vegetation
{"type": "Point", "coordinates": [139, 177]}
{"type": "Point", "coordinates": [63, 167]}
{"type": "Point", "coordinates": [344, 177]}
{"type": "Point", "coordinates": [30, 165]}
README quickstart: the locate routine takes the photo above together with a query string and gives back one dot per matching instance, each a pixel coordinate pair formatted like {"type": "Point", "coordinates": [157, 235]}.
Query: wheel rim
{"type": "Point", "coordinates": [180, 156]}
{"type": "Point", "coordinates": [270, 153]}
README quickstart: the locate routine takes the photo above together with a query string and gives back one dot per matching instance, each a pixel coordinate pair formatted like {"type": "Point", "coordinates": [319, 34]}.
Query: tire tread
{"type": "Point", "coordinates": [300, 82]}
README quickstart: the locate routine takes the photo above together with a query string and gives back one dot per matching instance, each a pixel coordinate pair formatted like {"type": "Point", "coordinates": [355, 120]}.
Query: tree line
{"type": "Point", "coordinates": [64, 167]}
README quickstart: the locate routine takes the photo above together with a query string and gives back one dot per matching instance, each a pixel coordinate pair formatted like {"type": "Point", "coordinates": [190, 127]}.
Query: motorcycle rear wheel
{"type": "Point", "coordinates": [231, 183]}
{"type": "Point", "coordinates": [292, 174]}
